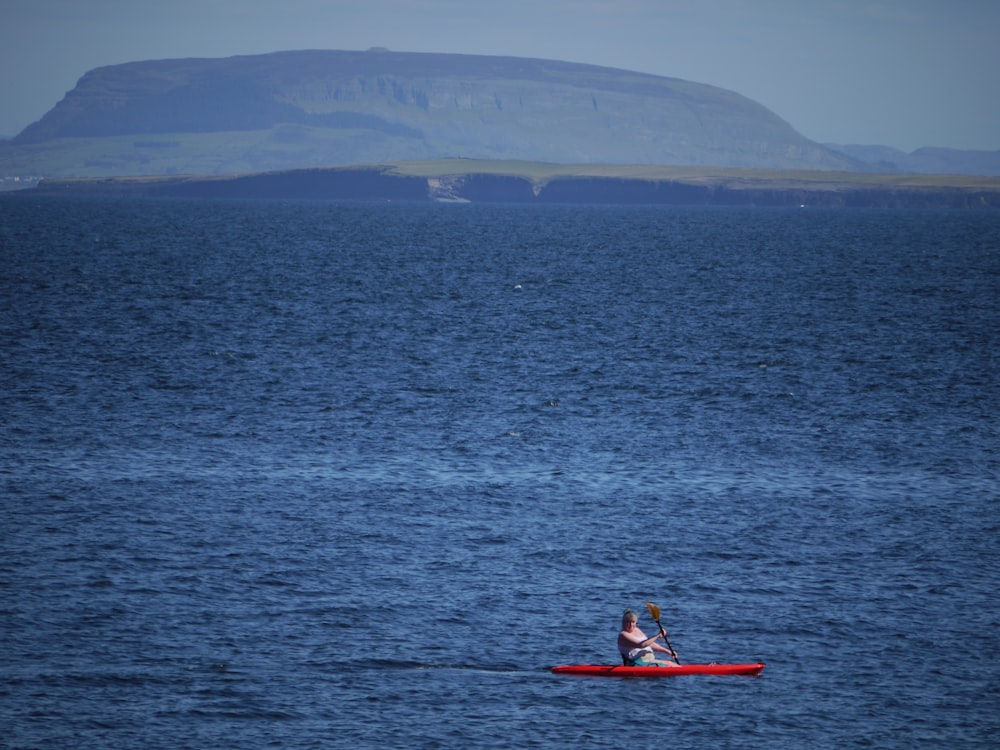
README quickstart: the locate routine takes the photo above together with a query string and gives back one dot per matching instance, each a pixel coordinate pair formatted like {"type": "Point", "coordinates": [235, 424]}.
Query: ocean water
{"type": "Point", "coordinates": [314, 475]}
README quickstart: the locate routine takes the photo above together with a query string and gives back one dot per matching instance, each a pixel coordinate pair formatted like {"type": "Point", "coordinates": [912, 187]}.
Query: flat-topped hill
{"type": "Point", "coordinates": [314, 108]}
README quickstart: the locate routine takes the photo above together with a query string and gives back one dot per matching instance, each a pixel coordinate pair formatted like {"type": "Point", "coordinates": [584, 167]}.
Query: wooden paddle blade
{"type": "Point", "coordinates": [653, 610]}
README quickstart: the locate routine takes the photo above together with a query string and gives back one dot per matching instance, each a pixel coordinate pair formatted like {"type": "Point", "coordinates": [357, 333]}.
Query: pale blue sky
{"type": "Point", "coordinates": [903, 73]}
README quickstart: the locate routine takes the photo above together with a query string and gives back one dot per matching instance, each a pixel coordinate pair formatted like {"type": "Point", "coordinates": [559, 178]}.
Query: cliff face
{"type": "Point", "coordinates": [296, 109]}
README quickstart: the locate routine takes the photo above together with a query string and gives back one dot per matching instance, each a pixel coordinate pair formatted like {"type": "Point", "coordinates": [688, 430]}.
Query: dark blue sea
{"type": "Point", "coordinates": [324, 475]}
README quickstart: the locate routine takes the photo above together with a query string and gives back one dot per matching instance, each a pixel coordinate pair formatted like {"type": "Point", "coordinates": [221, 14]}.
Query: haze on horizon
{"type": "Point", "coordinates": [900, 73]}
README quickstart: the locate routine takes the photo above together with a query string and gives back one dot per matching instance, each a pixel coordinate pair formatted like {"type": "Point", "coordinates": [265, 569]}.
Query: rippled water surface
{"type": "Point", "coordinates": [334, 475]}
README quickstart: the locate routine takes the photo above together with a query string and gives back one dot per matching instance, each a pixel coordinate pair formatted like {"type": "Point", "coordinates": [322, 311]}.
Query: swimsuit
{"type": "Point", "coordinates": [637, 656]}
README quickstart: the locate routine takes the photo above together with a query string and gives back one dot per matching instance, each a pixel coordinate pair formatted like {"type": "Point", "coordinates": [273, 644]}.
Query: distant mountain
{"type": "Point", "coordinates": [313, 108]}
{"type": "Point", "coordinates": [924, 160]}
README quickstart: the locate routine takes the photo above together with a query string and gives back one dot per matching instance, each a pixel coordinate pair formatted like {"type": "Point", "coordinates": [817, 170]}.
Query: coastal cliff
{"type": "Point", "coordinates": [463, 181]}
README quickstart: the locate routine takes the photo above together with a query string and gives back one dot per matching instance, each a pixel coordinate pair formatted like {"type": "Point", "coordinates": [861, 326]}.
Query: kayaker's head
{"type": "Point", "coordinates": [629, 617]}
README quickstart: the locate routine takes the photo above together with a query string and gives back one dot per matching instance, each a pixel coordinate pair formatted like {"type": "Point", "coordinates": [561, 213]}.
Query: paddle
{"type": "Point", "coordinates": [655, 612]}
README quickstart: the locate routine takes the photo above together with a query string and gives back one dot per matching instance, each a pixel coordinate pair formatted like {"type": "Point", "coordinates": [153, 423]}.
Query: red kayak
{"type": "Point", "coordinates": [597, 670]}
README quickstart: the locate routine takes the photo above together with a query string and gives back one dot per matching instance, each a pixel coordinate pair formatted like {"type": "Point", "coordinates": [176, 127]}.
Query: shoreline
{"type": "Point", "coordinates": [475, 181]}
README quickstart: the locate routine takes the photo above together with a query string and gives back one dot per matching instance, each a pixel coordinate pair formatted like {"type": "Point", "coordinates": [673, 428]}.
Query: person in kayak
{"type": "Point", "coordinates": [636, 649]}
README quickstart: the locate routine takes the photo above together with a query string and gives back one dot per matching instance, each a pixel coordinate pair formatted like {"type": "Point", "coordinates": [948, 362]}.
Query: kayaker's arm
{"type": "Point", "coordinates": [663, 649]}
{"type": "Point", "coordinates": [651, 643]}
{"type": "Point", "coordinates": [669, 649]}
